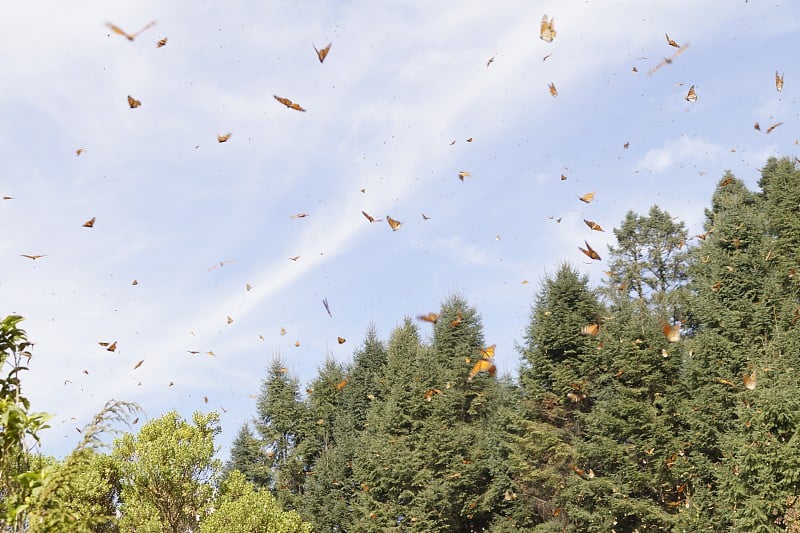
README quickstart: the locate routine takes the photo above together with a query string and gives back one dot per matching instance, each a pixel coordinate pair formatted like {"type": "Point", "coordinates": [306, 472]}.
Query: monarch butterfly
{"type": "Point", "coordinates": [591, 329]}
{"type": "Point", "coordinates": [300, 215]}
{"type": "Point", "coordinates": [162, 42]}
{"type": "Point", "coordinates": [672, 332]}
{"type": "Point", "coordinates": [283, 331]}
{"type": "Point", "coordinates": [111, 347]}
{"type": "Point", "coordinates": [671, 42]}
{"type": "Point", "coordinates": [727, 181]}
{"type": "Point", "coordinates": [327, 307]}
{"type": "Point", "coordinates": [484, 365]}
{"type": "Point", "coordinates": [288, 103]}
{"type": "Point", "coordinates": [134, 282]}
{"type": "Point", "coordinates": [394, 224]}
{"type": "Point", "coordinates": [133, 102]}
{"type": "Point", "coordinates": [89, 223]}
{"type": "Point", "coordinates": [457, 320]}
{"type": "Point", "coordinates": [248, 287]}
{"type": "Point", "coordinates": [586, 198]}
{"type": "Point", "coordinates": [691, 96]}
{"type": "Point", "coordinates": [130, 36]}
{"type": "Point", "coordinates": [223, 138]}
{"type": "Point", "coordinates": [34, 257]}
{"type": "Point", "coordinates": [491, 60]}
{"type": "Point", "coordinates": [425, 217]}
{"type": "Point", "coordinates": [749, 381]}
{"type": "Point", "coordinates": [463, 174]}
{"type": "Point", "coordinates": [589, 252]}
{"type": "Point", "coordinates": [137, 365]}
{"type": "Point", "coordinates": [769, 130]}
{"type": "Point", "coordinates": [778, 81]}
{"type": "Point", "coordinates": [295, 258]}
{"type": "Point", "coordinates": [593, 225]}
{"type": "Point", "coordinates": [668, 60]}
{"type": "Point", "coordinates": [553, 90]}
{"type": "Point", "coordinates": [342, 384]}
{"type": "Point", "coordinates": [575, 398]}
{"type": "Point", "coordinates": [546, 31]}
{"type": "Point", "coordinates": [79, 151]}
{"type": "Point", "coordinates": [428, 394]}
{"type": "Point", "coordinates": [488, 353]}
{"type": "Point", "coordinates": [229, 319]}
{"type": "Point", "coordinates": [370, 217]}
{"type": "Point", "coordinates": [341, 340]}
{"type": "Point", "coordinates": [323, 53]}
{"type": "Point", "coordinates": [563, 177]}
{"type": "Point", "coordinates": [430, 317]}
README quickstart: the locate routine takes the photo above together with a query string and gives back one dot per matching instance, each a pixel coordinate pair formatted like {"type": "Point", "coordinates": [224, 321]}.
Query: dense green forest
{"type": "Point", "coordinates": [664, 400]}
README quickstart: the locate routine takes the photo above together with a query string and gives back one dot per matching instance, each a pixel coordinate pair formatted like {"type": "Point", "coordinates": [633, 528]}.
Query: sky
{"type": "Point", "coordinates": [195, 222]}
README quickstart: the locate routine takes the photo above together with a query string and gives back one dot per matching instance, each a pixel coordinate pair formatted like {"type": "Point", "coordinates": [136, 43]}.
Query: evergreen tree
{"type": "Point", "coordinates": [249, 457]}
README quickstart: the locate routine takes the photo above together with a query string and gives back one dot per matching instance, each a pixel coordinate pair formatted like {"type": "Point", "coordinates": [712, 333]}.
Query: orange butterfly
{"type": "Point", "coordinates": [89, 223]}
{"type": "Point", "coordinates": [546, 31]}
{"type": "Point", "coordinates": [672, 332]}
{"type": "Point", "coordinates": [288, 103]}
{"type": "Point", "coordinates": [671, 42]}
{"type": "Point", "coordinates": [457, 320]}
{"type": "Point", "coordinates": [342, 384]}
{"type": "Point", "coordinates": [750, 381]}
{"type": "Point", "coordinates": [428, 394]}
{"type": "Point", "coordinates": [230, 320]}
{"type": "Point", "coordinates": [130, 36]}
{"type": "Point", "coordinates": [757, 126]}
{"type": "Point", "coordinates": [586, 198]}
{"type": "Point", "coordinates": [463, 174]}
{"type": "Point", "coordinates": [575, 398]}
{"type": "Point", "coordinates": [370, 217]}
{"type": "Point", "coordinates": [553, 90]}
{"type": "Point", "coordinates": [300, 215]}
{"type": "Point", "coordinates": [295, 258]}
{"type": "Point", "coordinates": [484, 365]}
{"type": "Point", "coordinates": [593, 225]}
{"type": "Point", "coordinates": [223, 138]}
{"type": "Point", "coordinates": [134, 282]}
{"type": "Point", "coordinates": [589, 252]}
{"type": "Point", "coordinates": [341, 340]}
{"type": "Point", "coordinates": [133, 102]}
{"type": "Point", "coordinates": [430, 317]}
{"type": "Point", "coordinates": [778, 81]}
{"type": "Point", "coordinates": [668, 60]}
{"type": "Point", "coordinates": [109, 346]}
{"type": "Point", "coordinates": [769, 130]}
{"type": "Point", "coordinates": [79, 151]}
{"type": "Point", "coordinates": [395, 224]}
{"type": "Point", "coordinates": [591, 329]}
{"type": "Point", "coordinates": [323, 53]}
{"type": "Point", "coordinates": [34, 257]}
{"type": "Point", "coordinates": [425, 217]}
{"type": "Point", "coordinates": [137, 365]}
{"type": "Point", "coordinates": [691, 96]}
{"type": "Point", "coordinates": [162, 42]}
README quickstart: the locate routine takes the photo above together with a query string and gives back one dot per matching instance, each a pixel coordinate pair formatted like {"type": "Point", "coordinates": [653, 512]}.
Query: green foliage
{"type": "Point", "coordinates": [242, 508]}
{"type": "Point", "coordinates": [249, 457]}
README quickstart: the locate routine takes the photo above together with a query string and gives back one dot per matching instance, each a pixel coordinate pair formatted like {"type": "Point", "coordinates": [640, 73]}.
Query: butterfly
{"type": "Point", "coordinates": [34, 257]}
{"type": "Point", "coordinates": [8, 197]}
{"type": "Point", "coordinates": [757, 126]}
{"type": "Point", "coordinates": [283, 331]}
{"type": "Point", "coordinates": [430, 317]}
{"type": "Point", "coordinates": [137, 365]}
{"type": "Point", "coordinates": [134, 282]}
{"type": "Point", "coordinates": [162, 42]}
{"type": "Point", "coordinates": [341, 340]}
{"type": "Point", "coordinates": [593, 225]}
{"type": "Point", "coordinates": [575, 398]}
{"type": "Point", "coordinates": [89, 223]}
{"type": "Point", "coordinates": [248, 287]}
{"type": "Point", "coordinates": [111, 347]}
{"type": "Point", "coordinates": [223, 138]}
{"type": "Point", "coordinates": [485, 364]}
{"type": "Point", "coordinates": [457, 320]}
{"type": "Point", "coordinates": [769, 130]}
{"type": "Point", "coordinates": [668, 60]}
{"type": "Point", "coordinates": [546, 31]}
{"type": "Point", "coordinates": [672, 332]}
{"type": "Point", "coordinates": [553, 90]}
{"type": "Point", "coordinates": [425, 217]}
{"type": "Point", "coordinates": [79, 151]}
{"type": "Point", "coordinates": [671, 42]}
{"type": "Point", "coordinates": [626, 145]}
{"type": "Point", "coordinates": [491, 60]}
{"type": "Point", "coordinates": [370, 217]}
{"type": "Point", "coordinates": [130, 36]}
{"type": "Point", "coordinates": [469, 140]}
{"type": "Point", "coordinates": [586, 198]}
{"type": "Point", "coordinates": [395, 224]}
{"type": "Point", "coordinates": [327, 307]}
{"type": "Point", "coordinates": [133, 102]}
{"type": "Point", "coordinates": [591, 329]}
{"type": "Point", "coordinates": [221, 263]}
{"type": "Point", "coordinates": [428, 394]}
{"type": "Point", "coordinates": [563, 177]}
{"type": "Point", "coordinates": [463, 174]}
{"type": "Point", "coordinates": [295, 258]}
{"type": "Point", "coordinates": [323, 53]}
{"type": "Point", "coordinates": [749, 381]}
{"type": "Point", "coordinates": [288, 103]}
{"type": "Point", "coordinates": [589, 252]}
{"type": "Point", "coordinates": [778, 81]}
{"type": "Point", "coordinates": [230, 320]}
{"type": "Point", "coordinates": [342, 384]}
{"type": "Point", "coordinates": [691, 96]}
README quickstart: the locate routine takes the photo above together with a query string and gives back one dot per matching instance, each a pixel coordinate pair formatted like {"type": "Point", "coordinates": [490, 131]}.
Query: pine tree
{"type": "Point", "coordinates": [249, 457]}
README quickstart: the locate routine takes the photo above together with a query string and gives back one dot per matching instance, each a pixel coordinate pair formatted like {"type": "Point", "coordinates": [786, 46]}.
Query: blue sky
{"type": "Point", "coordinates": [401, 82]}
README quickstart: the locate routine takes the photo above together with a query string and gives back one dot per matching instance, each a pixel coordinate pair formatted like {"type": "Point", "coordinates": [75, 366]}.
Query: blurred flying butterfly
{"type": "Point", "coordinates": [162, 42]}
{"type": "Point", "coordinates": [425, 217]}
{"type": "Point", "coordinates": [586, 198]}
{"type": "Point", "coordinates": [691, 96]}
{"type": "Point", "coordinates": [89, 223]}
{"type": "Point", "coordinates": [457, 320]}
{"type": "Point", "coordinates": [668, 60]}
{"type": "Point", "coordinates": [553, 90]}
{"type": "Point", "coordinates": [428, 394]}
{"type": "Point", "coordinates": [672, 332]}
{"type": "Point", "coordinates": [395, 224]}
{"type": "Point", "coordinates": [485, 364]}
{"type": "Point", "coordinates": [322, 53]}
{"type": "Point", "coordinates": [430, 317]}
{"type": "Point", "coordinates": [137, 365]}
{"type": "Point", "coordinates": [749, 381]}
{"type": "Point", "coordinates": [671, 42]}
{"type": "Point", "coordinates": [134, 282]}
{"type": "Point", "coordinates": [488, 353]}
{"type": "Point", "coordinates": [769, 130]}
{"type": "Point", "coordinates": [300, 215]}
{"type": "Point", "coordinates": [34, 257]}
{"type": "Point", "coordinates": [288, 103]}
{"type": "Point", "coordinates": [589, 252]}
{"type": "Point", "coordinates": [327, 307]}
{"type": "Point", "coordinates": [370, 217]}
{"type": "Point", "coordinates": [130, 36]}
{"type": "Point", "coordinates": [342, 384]}
{"type": "Point", "coordinates": [79, 151]}
{"type": "Point", "coordinates": [490, 61]}
{"type": "Point", "coordinates": [757, 126]}
{"type": "Point", "coordinates": [591, 329]}
{"type": "Point", "coordinates": [593, 225]}
{"type": "Point", "coordinates": [133, 102]}
{"type": "Point", "coordinates": [223, 138]}
{"type": "Point", "coordinates": [463, 174]}
{"type": "Point", "coordinates": [546, 30]}
{"type": "Point", "coordinates": [778, 81]}
{"type": "Point", "coordinates": [295, 258]}
{"type": "Point", "coordinates": [341, 340]}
